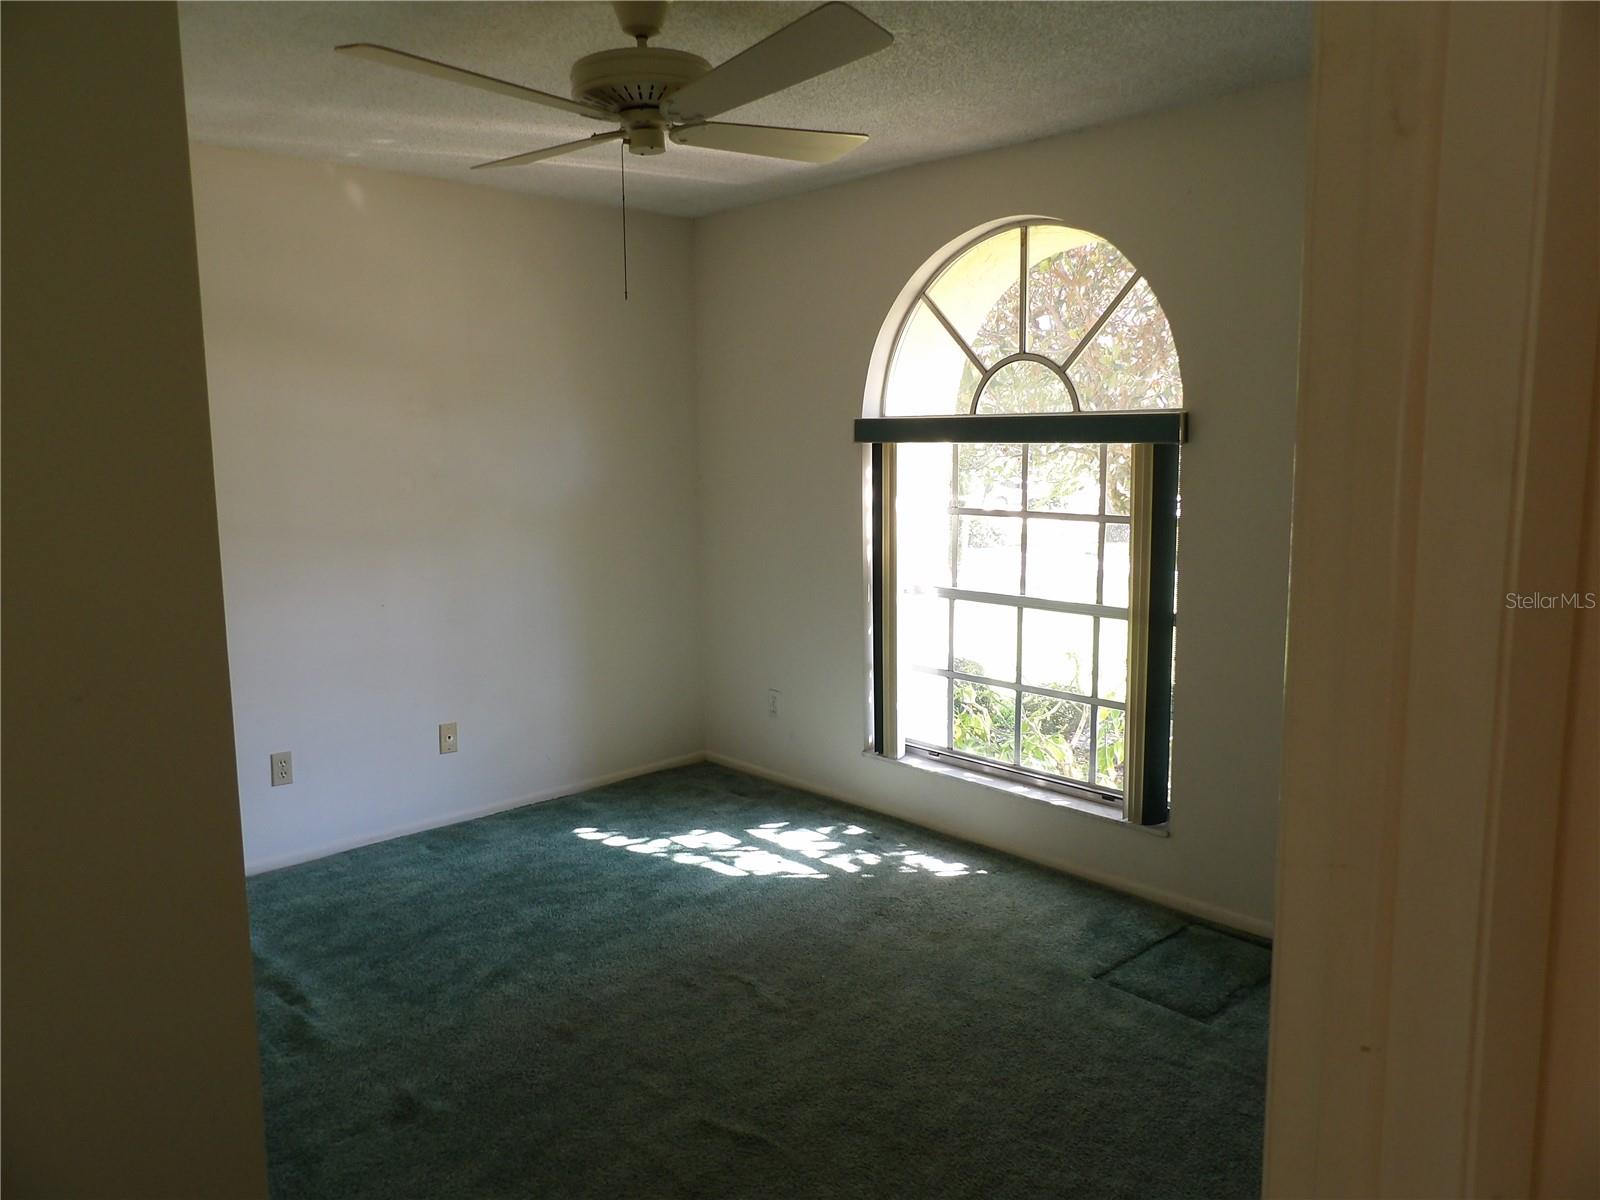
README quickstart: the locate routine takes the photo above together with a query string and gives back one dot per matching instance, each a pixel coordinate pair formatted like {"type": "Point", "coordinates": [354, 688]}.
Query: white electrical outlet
{"type": "Point", "coordinates": [772, 701]}
{"type": "Point", "coordinates": [447, 738]}
{"type": "Point", "coordinates": [282, 769]}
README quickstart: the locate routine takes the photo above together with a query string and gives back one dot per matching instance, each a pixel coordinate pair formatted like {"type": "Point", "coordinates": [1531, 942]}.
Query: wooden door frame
{"type": "Point", "coordinates": [1446, 428]}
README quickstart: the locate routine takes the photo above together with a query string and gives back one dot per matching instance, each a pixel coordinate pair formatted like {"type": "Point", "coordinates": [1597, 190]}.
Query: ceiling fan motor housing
{"type": "Point", "coordinates": [634, 78]}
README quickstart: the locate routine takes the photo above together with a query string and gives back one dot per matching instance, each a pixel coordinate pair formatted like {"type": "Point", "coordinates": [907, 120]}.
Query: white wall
{"type": "Point", "coordinates": [131, 1066]}
{"type": "Point", "coordinates": [453, 484]}
{"type": "Point", "coordinates": [789, 297]}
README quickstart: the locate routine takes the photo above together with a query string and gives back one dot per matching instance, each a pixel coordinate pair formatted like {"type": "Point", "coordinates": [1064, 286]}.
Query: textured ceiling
{"type": "Point", "coordinates": [960, 77]}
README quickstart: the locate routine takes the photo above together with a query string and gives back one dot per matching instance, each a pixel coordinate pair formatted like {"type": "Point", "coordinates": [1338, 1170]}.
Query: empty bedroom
{"type": "Point", "coordinates": [776, 600]}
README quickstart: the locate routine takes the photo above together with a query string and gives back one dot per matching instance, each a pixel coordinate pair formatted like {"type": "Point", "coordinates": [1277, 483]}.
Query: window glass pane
{"type": "Point", "coordinates": [924, 627]}
{"type": "Point", "coordinates": [1072, 276]}
{"type": "Point", "coordinates": [989, 554]}
{"type": "Point", "coordinates": [922, 475]}
{"type": "Point", "coordinates": [1119, 480]}
{"type": "Point", "coordinates": [1111, 749]}
{"type": "Point", "coordinates": [1113, 659]}
{"type": "Point", "coordinates": [1058, 650]}
{"type": "Point", "coordinates": [1063, 478]}
{"type": "Point", "coordinates": [926, 373]}
{"type": "Point", "coordinates": [1132, 362]}
{"type": "Point", "coordinates": [1116, 571]}
{"type": "Point", "coordinates": [1024, 387]}
{"type": "Point", "coordinates": [1063, 560]}
{"type": "Point", "coordinates": [984, 720]}
{"type": "Point", "coordinates": [924, 705]}
{"type": "Point", "coordinates": [922, 516]}
{"type": "Point", "coordinates": [989, 476]}
{"type": "Point", "coordinates": [986, 639]}
{"type": "Point", "coordinates": [978, 295]}
{"type": "Point", "coordinates": [1055, 736]}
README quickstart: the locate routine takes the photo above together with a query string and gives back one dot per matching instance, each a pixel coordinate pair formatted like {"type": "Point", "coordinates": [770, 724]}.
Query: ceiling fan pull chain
{"type": "Point", "coordinates": [622, 158]}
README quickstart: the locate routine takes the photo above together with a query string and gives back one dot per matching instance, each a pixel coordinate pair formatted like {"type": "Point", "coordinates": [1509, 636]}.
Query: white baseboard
{"type": "Point", "coordinates": [260, 866]}
{"type": "Point", "coordinates": [1209, 913]}
{"type": "Point", "coordinates": [1184, 904]}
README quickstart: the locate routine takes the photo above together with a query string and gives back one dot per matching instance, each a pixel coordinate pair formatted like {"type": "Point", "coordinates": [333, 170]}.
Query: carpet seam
{"type": "Point", "coordinates": [1235, 998]}
{"type": "Point", "coordinates": [1141, 952]}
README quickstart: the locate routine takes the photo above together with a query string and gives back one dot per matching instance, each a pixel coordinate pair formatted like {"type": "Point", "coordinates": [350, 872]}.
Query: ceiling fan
{"type": "Point", "coordinates": [655, 95]}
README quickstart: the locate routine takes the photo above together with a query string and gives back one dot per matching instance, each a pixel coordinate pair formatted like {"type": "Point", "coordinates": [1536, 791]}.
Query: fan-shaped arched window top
{"type": "Point", "coordinates": [1036, 317]}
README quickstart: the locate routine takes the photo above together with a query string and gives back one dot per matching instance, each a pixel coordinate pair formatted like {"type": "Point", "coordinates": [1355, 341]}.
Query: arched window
{"type": "Point", "coordinates": [1024, 469]}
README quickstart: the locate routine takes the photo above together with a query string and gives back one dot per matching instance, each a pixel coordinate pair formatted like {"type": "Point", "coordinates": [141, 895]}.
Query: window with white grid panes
{"type": "Point", "coordinates": [1021, 569]}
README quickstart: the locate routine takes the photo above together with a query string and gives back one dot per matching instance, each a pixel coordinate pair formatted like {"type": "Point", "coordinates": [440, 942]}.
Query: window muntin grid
{"type": "Point", "coordinates": [1001, 702]}
{"type": "Point", "coordinates": [1063, 302]}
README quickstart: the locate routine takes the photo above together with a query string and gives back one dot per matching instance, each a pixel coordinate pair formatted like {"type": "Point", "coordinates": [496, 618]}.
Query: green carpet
{"type": "Point", "coordinates": [697, 983]}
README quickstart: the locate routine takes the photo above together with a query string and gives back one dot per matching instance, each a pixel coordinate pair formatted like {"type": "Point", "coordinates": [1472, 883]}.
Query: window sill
{"type": "Point", "coordinates": [1055, 799]}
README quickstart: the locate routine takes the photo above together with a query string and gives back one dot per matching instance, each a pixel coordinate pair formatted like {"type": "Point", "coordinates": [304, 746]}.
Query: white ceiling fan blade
{"type": "Point", "coordinates": [487, 83]}
{"type": "Point", "coordinates": [824, 39]}
{"type": "Point", "coordinates": [516, 160]}
{"type": "Point", "coordinates": [770, 141]}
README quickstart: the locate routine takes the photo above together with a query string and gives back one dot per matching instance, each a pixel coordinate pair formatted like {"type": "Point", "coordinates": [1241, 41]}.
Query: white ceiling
{"type": "Point", "coordinates": [960, 77]}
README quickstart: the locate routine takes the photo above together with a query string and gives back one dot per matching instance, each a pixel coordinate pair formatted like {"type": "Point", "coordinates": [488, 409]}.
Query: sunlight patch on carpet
{"type": "Point", "coordinates": [824, 846]}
